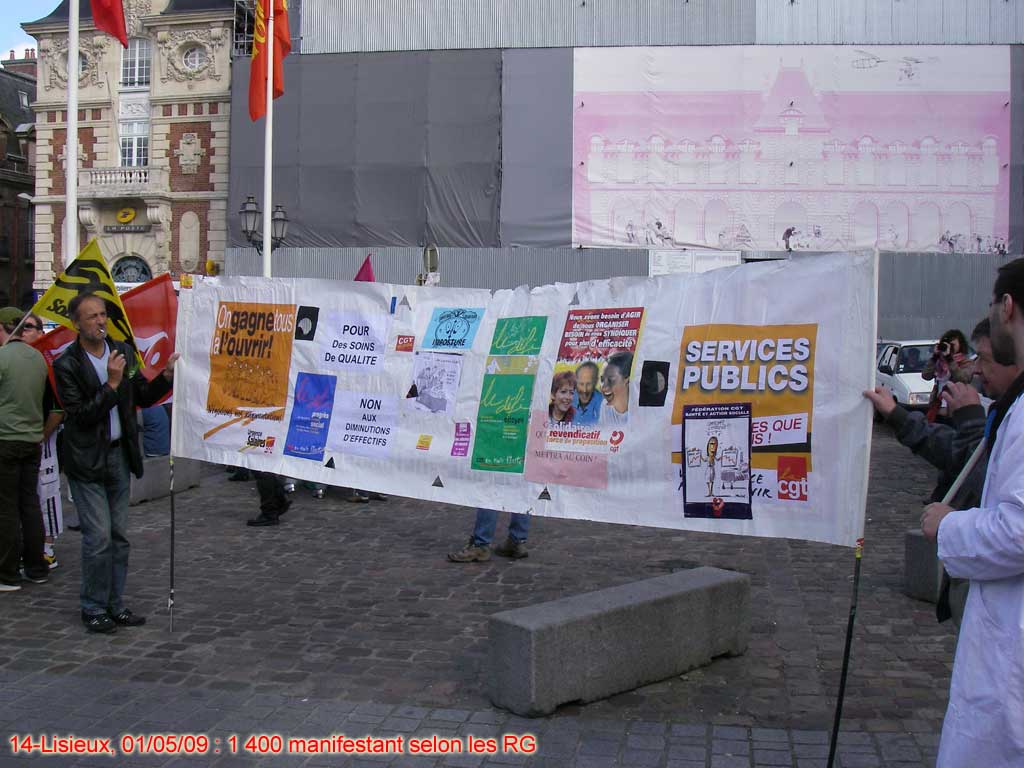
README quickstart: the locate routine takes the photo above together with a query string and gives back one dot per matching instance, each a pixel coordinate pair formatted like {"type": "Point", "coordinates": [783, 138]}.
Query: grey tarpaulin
{"type": "Point", "coordinates": [536, 147]}
{"type": "Point", "coordinates": [1016, 239]}
{"type": "Point", "coordinates": [378, 149]}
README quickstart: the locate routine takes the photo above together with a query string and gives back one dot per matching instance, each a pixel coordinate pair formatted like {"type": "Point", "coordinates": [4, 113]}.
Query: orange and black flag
{"type": "Point", "coordinates": [282, 47]}
{"type": "Point", "coordinates": [88, 273]}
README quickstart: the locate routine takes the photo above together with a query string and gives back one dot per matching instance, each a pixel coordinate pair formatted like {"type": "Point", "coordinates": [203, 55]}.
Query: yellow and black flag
{"type": "Point", "coordinates": [86, 274]}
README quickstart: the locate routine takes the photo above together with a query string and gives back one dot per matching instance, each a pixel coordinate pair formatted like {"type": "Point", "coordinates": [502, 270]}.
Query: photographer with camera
{"type": "Point", "coordinates": [948, 363]}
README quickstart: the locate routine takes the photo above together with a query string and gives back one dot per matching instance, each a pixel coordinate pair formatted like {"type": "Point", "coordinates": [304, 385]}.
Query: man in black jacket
{"type": "Point", "coordinates": [100, 385]}
{"type": "Point", "coordinates": [949, 447]}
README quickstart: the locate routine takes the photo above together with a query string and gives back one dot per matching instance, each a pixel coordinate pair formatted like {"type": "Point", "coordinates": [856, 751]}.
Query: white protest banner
{"type": "Point", "coordinates": [728, 401]}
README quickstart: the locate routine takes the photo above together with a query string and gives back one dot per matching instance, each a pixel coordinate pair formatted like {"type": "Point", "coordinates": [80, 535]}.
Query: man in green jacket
{"type": "Point", "coordinates": [22, 384]}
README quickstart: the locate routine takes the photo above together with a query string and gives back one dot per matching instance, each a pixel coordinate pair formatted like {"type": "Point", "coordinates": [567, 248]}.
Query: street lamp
{"type": "Point", "coordinates": [252, 224]}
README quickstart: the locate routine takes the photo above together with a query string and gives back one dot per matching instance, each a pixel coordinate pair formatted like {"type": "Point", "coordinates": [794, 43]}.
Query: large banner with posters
{"type": "Point", "coordinates": [792, 147]}
{"type": "Point", "coordinates": [728, 401]}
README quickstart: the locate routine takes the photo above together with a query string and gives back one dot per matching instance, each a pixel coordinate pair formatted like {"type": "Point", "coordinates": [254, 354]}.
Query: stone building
{"type": "Point", "coordinates": [153, 137]}
{"type": "Point", "coordinates": [17, 178]}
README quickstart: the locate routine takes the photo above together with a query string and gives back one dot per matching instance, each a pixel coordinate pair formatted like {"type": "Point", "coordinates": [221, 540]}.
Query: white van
{"type": "Point", "coordinates": [899, 367]}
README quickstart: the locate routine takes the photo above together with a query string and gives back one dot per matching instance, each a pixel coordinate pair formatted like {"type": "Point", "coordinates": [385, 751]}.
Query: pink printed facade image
{"type": "Point", "coordinates": [866, 159]}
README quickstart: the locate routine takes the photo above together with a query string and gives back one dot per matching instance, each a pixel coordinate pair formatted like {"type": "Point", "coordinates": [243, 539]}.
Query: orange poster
{"type": "Point", "coordinates": [769, 366]}
{"type": "Point", "coordinates": [250, 356]}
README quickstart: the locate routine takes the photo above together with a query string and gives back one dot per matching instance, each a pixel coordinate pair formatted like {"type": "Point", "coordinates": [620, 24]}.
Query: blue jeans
{"type": "Point", "coordinates": [103, 513]}
{"type": "Point", "coordinates": [487, 521]}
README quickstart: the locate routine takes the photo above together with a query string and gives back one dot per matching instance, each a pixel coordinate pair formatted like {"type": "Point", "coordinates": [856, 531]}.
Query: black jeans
{"type": "Point", "coordinates": [21, 520]}
{"type": "Point", "coordinates": [272, 497]}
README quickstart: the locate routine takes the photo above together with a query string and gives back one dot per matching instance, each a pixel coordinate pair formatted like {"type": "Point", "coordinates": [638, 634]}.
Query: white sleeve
{"type": "Point", "coordinates": [987, 543]}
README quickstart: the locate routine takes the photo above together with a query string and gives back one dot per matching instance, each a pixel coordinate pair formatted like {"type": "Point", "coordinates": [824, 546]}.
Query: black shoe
{"type": "Point", "coordinates": [374, 496]}
{"type": "Point", "coordinates": [127, 619]}
{"type": "Point", "coordinates": [99, 622]}
{"type": "Point", "coordinates": [262, 520]}
{"type": "Point", "coordinates": [239, 476]}
{"type": "Point", "coordinates": [74, 527]}
{"type": "Point", "coordinates": [284, 507]}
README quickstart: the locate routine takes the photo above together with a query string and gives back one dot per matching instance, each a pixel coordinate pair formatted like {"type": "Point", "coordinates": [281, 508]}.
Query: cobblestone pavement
{"type": "Point", "coordinates": [348, 619]}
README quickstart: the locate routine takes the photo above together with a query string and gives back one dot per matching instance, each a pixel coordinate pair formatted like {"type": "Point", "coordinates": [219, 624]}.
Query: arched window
{"type": "Point", "coordinates": [135, 63]}
{"type": "Point", "coordinates": [131, 269]}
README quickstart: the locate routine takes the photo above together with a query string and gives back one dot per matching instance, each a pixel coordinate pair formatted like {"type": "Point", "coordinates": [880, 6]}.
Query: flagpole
{"type": "Point", "coordinates": [70, 249]}
{"type": "Point", "coordinates": [268, 144]}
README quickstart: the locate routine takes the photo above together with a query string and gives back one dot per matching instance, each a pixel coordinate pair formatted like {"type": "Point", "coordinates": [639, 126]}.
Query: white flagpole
{"type": "Point", "coordinates": [268, 144]}
{"type": "Point", "coordinates": [70, 249]}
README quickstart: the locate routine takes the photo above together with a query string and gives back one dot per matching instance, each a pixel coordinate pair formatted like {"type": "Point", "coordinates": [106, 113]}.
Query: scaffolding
{"type": "Point", "coordinates": [245, 22]}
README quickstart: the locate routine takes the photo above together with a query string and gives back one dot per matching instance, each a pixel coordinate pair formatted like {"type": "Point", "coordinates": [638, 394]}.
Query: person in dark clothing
{"type": "Point", "coordinates": [100, 384]}
{"type": "Point", "coordinates": [948, 447]}
{"type": "Point", "coordinates": [273, 501]}
{"type": "Point", "coordinates": [22, 385]}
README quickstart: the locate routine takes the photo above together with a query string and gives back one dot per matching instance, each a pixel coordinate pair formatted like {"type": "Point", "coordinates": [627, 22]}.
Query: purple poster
{"type": "Point", "coordinates": [792, 147]}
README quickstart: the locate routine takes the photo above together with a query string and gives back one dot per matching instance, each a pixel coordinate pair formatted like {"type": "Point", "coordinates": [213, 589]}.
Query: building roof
{"type": "Point", "coordinates": [191, 6]}
{"type": "Point", "coordinates": [10, 104]}
{"type": "Point", "coordinates": [174, 6]}
{"type": "Point", "coordinates": [61, 12]}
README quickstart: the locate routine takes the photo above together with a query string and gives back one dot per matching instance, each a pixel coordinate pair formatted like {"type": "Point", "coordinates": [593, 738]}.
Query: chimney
{"type": "Point", "coordinates": [27, 50]}
{"type": "Point", "coordinates": [11, 57]}
{"type": "Point", "coordinates": [32, 53]}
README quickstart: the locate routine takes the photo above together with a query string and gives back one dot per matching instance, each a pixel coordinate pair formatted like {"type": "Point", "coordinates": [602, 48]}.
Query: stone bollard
{"type": "Point", "coordinates": [922, 569]}
{"type": "Point", "coordinates": [594, 645]}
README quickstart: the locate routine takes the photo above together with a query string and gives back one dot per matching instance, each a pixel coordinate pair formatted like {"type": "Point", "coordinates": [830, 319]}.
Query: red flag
{"type": "Point", "coordinates": [152, 310]}
{"type": "Point", "coordinates": [108, 16]}
{"type": "Point", "coordinates": [258, 69]}
{"type": "Point", "coordinates": [365, 273]}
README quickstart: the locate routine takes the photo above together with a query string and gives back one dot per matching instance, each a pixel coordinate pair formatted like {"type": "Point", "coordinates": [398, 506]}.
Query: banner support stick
{"type": "Point", "coordinates": [859, 551]}
{"type": "Point", "coordinates": [170, 594]}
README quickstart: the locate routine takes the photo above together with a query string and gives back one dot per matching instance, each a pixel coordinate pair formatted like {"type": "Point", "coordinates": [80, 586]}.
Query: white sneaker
{"type": "Point", "coordinates": [5, 587]}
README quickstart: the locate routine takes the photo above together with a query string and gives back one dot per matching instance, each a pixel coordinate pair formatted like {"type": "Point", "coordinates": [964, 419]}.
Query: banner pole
{"type": "Point", "coordinates": [846, 653]}
{"type": "Point", "coordinates": [268, 146]}
{"type": "Point", "coordinates": [71, 145]}
{"type": "Point", "coordinates": [170, 595]}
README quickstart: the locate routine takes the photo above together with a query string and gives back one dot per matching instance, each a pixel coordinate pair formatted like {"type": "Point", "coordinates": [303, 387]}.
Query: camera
{"type": "Point", "coordinates": [944, 348]}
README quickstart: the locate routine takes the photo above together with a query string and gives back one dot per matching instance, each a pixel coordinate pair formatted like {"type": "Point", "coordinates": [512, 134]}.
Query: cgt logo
{"type": "Point", "coordinates": [792, 478]}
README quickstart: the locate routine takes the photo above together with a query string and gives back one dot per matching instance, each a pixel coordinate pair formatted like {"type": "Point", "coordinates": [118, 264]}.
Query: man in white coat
{"type": "Point", "coordinates": [984, 723]}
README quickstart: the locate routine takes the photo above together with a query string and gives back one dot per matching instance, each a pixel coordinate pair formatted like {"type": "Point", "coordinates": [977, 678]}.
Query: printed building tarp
{"type": "Point", "coordinates": [728, 401]}
{"type": "Point", "coordinates": [803, 147]}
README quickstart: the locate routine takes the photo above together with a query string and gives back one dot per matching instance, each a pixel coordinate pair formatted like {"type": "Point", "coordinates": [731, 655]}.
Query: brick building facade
{"type": "Point", "coordinates": [153, 138]}
{"type": "Point", "coordinates": [17, 177]}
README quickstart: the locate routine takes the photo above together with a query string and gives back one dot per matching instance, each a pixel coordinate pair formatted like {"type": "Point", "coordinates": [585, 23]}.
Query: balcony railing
{"type": "Point", "coordinates": [133, 180]}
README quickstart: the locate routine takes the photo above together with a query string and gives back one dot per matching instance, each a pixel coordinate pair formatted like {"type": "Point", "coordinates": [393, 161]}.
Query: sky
{"type": "Point", "coordinates": [12, 14]}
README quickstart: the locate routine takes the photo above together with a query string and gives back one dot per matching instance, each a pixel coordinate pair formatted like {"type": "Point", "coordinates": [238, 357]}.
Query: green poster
{"type": "Point", "coordinates": [518, 335]}
{"type": "Point", "coordinates": [502, 421]}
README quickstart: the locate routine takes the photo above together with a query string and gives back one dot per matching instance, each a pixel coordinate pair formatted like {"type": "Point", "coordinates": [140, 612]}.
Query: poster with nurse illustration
{"type": "Point", "coordinates": [716, 466]}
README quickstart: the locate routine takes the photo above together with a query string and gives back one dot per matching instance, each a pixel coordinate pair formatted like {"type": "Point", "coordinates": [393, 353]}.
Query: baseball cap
{"type": "Point", "coordinates": [10, 315]}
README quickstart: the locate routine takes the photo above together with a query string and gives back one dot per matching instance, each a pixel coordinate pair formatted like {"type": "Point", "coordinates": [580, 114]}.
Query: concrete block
{"type": "Point", "coordinates": [155, 480]}
{"type": "Point", "coordinates": [922, 569]}
{"type": "Point", "coordinates": [590, 646]}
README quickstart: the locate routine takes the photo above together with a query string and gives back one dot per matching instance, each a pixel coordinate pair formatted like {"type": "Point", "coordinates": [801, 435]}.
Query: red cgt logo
{"type": "Point", "coordinates": [717, 505]}
{"type": "Point", "coordinates": [792, 478]}
{"type": "Point", "coordinates": [617, 437]}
